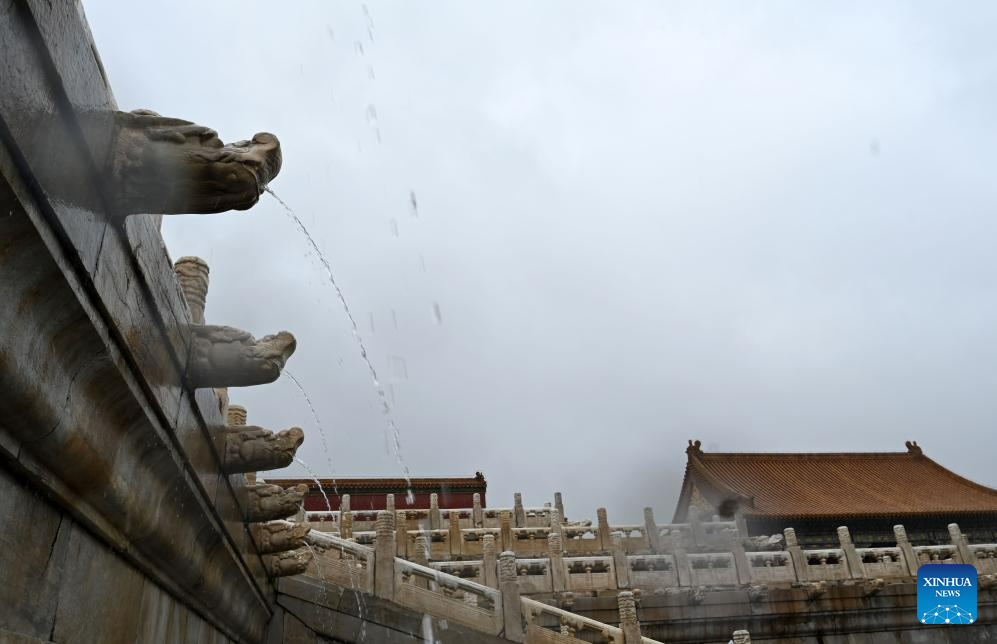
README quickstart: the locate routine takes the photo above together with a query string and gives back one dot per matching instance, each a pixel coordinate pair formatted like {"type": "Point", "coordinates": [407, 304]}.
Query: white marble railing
{"type": "Point", "coordinates": [447, 597]}
{"type": "Point", "coordinates": [570, 626]}
{"type": "Point", "coordinates": [345, 563]}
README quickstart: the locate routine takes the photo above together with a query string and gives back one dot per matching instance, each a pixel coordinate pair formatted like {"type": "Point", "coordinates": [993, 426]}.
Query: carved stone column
{"type": "Point", "coordinates": [477, 514]}
{"type": "Point", "coordinates": [651, 528]}
{"type": "Point", "coordinates": [489, 561]}
{"type": "Point", "coordinates": [505, 530]}
{"type": "Point", "coordinates": [421, 557]}
{"type": "Point", "coordinates": [389, 505]}
{"type": "Point", "coordinates": [512, 612]}
{"type": "Point", "coordinates": [435, 519]}
{"type": "Point", "coordinates": [628, 617]}
{"type": "Point", "coordinates": [518, 510]}
{"type": "Point", "coordinates": [605, 540]}
{"type": "Point", "coordinates": [904, 544]}
{"type": "Point", "coordinates": [236, 416]}
{"type": "Point", "coordinates": [851, 555]}
{"type": "Point", "coordinates": [796, 554]}
{"type": "Point", "coordinates": [384, 556]}
{"type": "Point", "coordinates": [559, 503]}
{"type": "Point", "coordinates": [620, 560]}
{"type": "Point", "coordinates": [555, 550]}
{"type": "Point", "coordinates": [455, 537]}
{"type": "Point", "coordinates": [192, 274]}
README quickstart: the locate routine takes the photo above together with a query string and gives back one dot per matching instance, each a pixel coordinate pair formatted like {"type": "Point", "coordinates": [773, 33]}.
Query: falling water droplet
{"type": "Point", "coordinates": [413, 203]}
{"type": "Point", "coordinates": [370, 321]}
{"type": "Point", "coordinates": [394, 319]}
{"type": "Point", "coordinates": [437, 315]}
{"type": "Point", "coordinates": [394, 227]}
{"type": "Point", "coordinates": [318, 425]}
{"type": "Point", "coordinates": [358, 47]}
{"type": "Point", "coordinates": [422, 262]}
{"type": "Point", "coordinates": [370, 72]}
{"type": "Point", "coordinates": [332, 34]}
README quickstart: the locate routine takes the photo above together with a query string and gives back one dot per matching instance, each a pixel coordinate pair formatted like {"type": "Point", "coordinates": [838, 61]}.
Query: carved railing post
{"type": "Point", "coordinates": [904, 544]}
{"type": "Point", "coordinates": [556, 525]}
{"type": "Point", "coordinates": [421, 557]}
{"type": "Point", "coordinates": [742, 525]}
{"type": "Point", "coordinates": [555, 549]}
{"type": "Point", "coordinates": [477, 514]}
{"type": "Point", "coordinates": [605, 541]}
{"type": "Point", "coordinates": [384, 556]}
{"type": "Point", "coordinates": [345, 524]}
{"type": "Point", "coordinates": [851, 555]}
{"type": "Point", "coordinates": [698, 532]}
{"type": "Point", "coordinates": [489, 561]}
{"type": "Point", "coordinates": [628, 618]}
{"type": "Point", "coordinates": [559, 503]}
{"type": "Point", "coordinates": [505, 530]}
{"type": "Point", "coordinates": [741, 563]}
{"type": "Point", "coordinates": [512, 606]}
{"type": "Point", "coordinates": [192, 274]}
{"type": "Point", "coordinates": [683, 567]}
{"type": "Point", "coordinates": [435, 519]}
{"type": "Point", "coordinates": [401, 533]}
{"type": "Point", "coordinates": [741, 637]}
{"type": "Point", "coordinates": [959, 541]}
{"type": "Point", "coordinates": [651, 528]}
{"type": "Point", "coordinates": [389, 506]}
{"type": "Point", "coordinates": [620, 561]}
{"type": "Point", "coordinates": [456, 537]}
{"type": "Point", "coordinates": [517, 508]}
{"type": "Point", "coordinates": [796, 554]}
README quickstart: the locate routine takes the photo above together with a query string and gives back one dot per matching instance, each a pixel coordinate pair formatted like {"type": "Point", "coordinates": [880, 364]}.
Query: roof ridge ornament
{"type": "Point", "coordinates": [914, 449]}
{"type": "Point", "coordinates": [694, 449]}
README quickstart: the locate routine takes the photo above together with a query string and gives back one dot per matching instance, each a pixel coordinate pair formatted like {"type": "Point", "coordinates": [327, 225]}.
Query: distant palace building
{"type": "Point", "coordinates": [371, 493]}
{"type": "Point", "coordinates": [814, 493]}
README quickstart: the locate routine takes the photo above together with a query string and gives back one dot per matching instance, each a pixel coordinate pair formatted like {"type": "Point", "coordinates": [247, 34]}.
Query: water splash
{"type": "Point", "coordinates": [321, 430]}
{"type": "Point", "coordinates": [355, 330]}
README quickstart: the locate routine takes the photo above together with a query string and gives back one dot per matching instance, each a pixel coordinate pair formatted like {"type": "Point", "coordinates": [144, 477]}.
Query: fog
{"type": "Point", "coordinates": [575, 234]}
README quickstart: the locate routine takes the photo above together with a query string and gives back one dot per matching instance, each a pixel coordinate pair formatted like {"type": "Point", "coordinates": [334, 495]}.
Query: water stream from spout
{"type": "Point", "coordinates": [318, 424]}
{"type": "Point", "coordinates": [386, 410]}
{"type": "Point", "coordinates": [311, 473]}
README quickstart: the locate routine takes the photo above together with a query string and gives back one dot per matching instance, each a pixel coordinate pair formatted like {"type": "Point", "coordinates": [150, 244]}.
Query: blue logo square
{"type": "Point", "coordinates": [946, 594]}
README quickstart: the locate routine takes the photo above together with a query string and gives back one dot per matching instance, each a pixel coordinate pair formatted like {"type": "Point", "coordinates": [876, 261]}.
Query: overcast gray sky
{"type": "Point", "coordinates": [769, 226]}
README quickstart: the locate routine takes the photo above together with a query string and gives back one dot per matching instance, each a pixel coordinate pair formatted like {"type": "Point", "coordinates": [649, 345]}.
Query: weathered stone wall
{"type": "Point", "coordinates": [62, 584]}
{"type": "Point", "coordinates": [117, 521]}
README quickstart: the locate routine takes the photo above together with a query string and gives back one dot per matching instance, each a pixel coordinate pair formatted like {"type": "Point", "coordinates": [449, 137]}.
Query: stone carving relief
{"type": "Point", "coordinates": [162, 165]}
{"type": "Point", "coordinates": [254, 449]}
{"type": "Point", "coordinates": [266, 502]}
{"type": "Point", "coordinates": [226, 357]}
{"type": "Point", "coordinates": [280, 537]}
{"type": "Point", "coordinates": [290, 563]}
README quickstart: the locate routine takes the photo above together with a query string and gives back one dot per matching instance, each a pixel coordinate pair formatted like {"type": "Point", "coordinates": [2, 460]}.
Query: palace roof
{"type": "Point", "coordinates": [830, 485]}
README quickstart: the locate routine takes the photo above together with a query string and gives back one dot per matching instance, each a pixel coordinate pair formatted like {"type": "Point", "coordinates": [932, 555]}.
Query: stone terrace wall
{"type": "Point", "coordinates": [116, 521]}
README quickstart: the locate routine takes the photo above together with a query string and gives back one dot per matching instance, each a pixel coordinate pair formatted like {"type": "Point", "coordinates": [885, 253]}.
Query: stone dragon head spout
{"type": "Point", "coordinates": [161, 165]}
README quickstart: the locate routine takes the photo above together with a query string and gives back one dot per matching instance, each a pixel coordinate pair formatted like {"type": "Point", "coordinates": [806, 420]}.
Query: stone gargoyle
{"type": "Point", "coordinates": [285, 564]}
{"type": "Point", "coordinates": [279, 536]}
{"type": "Point", "coordinates": [161, 165]}
{"type": "Point", "coordinates": [254, 449]}
{"type": "Point", "coordinates": [267, 502]}
{"type": "Point", "coordinates": [226, 357]}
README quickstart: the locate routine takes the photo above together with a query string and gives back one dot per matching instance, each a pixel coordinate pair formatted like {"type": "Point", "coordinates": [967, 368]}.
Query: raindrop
{"type": "Point", "coordinates": [370, 72]}
{"type": "Point", "coordinates": [413, 203]}
{"type": "Point", "coordinates": [394, 227]}
{"type": "Point", "coordinates": [436, 313]}
{"type": "Point", "coordinates": [358, 47]}
{"type": "Point", "coordinates": [370, 321]}
{"type": "Point", "coordinates": [332, 34]}
{"type": "Point", "coordinates": [394, 319]}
